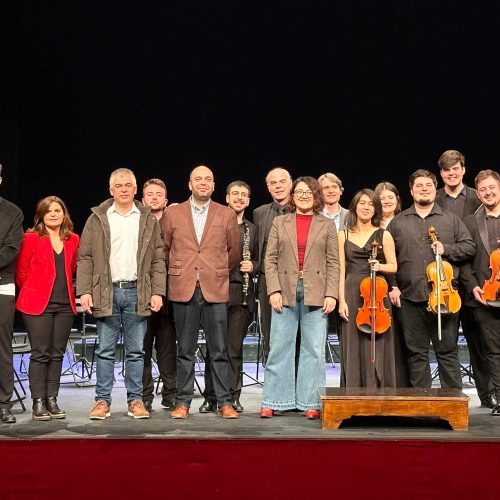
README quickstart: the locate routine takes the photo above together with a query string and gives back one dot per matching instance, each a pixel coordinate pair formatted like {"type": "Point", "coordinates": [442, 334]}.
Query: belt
{"type": "Point", "coordinates": [301, 275]}
{"type": "Point", "coordinates": [125, 284]}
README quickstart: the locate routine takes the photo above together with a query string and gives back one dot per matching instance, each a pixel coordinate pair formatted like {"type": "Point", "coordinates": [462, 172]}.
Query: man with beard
{"type": "Point", "coordinates": [279, 184]}
{"type": "Point", "coordinates": [484, 227]}
{"type": "Point", "coordinates": [201, 240]}
{"type": "Point", "coordinates": [241, 290]}
{"type": "Point", "coordinates": [414, 252]}
{"type": "Point", "coordinates": [462, 200]}
{"type": "Point", "coordinates": [161, 329]}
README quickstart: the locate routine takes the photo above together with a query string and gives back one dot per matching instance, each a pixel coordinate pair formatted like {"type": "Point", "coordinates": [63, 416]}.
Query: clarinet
{"type": "Point", "coordinates": [246, 256]}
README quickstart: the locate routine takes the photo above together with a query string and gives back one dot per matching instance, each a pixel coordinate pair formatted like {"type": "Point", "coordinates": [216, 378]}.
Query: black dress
{"type": "Point", "coordinates": [357, 371]}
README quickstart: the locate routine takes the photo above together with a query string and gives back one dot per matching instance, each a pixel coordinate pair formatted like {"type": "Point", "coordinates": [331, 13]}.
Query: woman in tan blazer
{"type": "Point", "coordinates": [302, 273]}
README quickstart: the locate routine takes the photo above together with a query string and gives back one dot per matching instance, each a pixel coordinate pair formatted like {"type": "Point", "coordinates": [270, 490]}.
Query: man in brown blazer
{"type": "Point", "coordinates": [201, 245]}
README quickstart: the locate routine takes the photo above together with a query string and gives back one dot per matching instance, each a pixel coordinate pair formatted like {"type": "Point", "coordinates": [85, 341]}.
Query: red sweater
{"type": "Point", "coordinates": [303, 225]}
{"type": "Point", "coordinates": [36, 272]}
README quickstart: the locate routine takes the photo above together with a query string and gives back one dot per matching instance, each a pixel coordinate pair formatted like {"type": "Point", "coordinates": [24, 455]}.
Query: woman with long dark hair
{"type": "Point", "coordinates": [355, 248]}
{"type": "Point", "coordinates": [390, 201]}
{"type": "Point", "coordinates": [44, 273]}
{"type": "Point", "coordinates": [302, 272]}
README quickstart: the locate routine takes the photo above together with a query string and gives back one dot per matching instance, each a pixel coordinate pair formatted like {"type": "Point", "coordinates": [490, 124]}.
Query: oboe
{"type": "Point", "coordinates": [246, 256]}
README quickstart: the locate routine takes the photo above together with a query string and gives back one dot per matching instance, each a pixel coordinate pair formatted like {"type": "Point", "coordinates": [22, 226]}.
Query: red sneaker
{"type": "Point", "coordinates": [266, 413]}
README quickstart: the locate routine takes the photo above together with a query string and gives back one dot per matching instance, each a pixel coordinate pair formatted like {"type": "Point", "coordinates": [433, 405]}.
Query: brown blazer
{"type": "Point", "coordinates": [211, 260]}
{"type": "Point", "coordinates": [321, 260]}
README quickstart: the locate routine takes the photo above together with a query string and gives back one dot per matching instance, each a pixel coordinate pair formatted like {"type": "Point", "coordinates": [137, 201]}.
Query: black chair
{"type": "Point", "coordinates": [20, 349]}
{"type": "Point", "coordinates": [80, 341]}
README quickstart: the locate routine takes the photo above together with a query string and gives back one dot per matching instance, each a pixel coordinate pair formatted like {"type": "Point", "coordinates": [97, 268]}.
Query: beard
{"type": "Point", "coordinates": [424, 202]}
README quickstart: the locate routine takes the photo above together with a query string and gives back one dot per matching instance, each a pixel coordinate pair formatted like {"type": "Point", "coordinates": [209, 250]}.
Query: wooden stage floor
{"type": "Point", "coordinates": [77, 401]}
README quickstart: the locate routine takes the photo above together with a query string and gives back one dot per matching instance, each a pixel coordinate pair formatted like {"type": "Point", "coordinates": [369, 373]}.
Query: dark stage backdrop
{"type": "Point", "coordinates": [368, 90]}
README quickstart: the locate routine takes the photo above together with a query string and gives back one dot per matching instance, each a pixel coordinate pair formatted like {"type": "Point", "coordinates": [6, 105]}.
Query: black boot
{"type": "Point", "coordinates": [53, 409]}
{"type": "Point", "coordinates": [40, 410]}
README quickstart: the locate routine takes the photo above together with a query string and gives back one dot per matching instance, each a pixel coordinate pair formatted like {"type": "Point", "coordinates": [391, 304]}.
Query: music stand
{"type": "Point", "coordinates": [257, 332]}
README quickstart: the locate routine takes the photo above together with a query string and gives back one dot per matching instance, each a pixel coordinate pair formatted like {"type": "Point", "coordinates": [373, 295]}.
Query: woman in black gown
{"type": "Point", "coordinates": [355, 247]}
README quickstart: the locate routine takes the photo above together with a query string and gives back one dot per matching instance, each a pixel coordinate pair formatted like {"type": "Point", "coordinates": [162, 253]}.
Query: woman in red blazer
{"type": "Point", "coordinates": [44, 273]}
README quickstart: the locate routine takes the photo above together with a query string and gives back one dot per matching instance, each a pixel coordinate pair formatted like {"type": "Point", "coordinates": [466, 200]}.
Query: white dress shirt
{"type": "Point", "coordinates": [124, 229]}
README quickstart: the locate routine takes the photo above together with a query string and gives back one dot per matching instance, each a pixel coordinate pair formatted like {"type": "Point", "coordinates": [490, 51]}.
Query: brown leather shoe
{"type": "Point", "coordinates": [100, 411]}
{"type": "Point", "coordinates": [136, 409]}
{"type": "Point", "coordinates": [180, 411]}
{"type": "Point", "coordinates": [227, 411]}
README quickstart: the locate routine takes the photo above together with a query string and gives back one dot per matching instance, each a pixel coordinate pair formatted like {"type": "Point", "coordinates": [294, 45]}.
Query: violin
{"type": "Point", "coordinates": [491, 288]}
{"type": "Point", "coordinates": [373, 317]}
{"type": "Point", "coordinates": [443, 299]}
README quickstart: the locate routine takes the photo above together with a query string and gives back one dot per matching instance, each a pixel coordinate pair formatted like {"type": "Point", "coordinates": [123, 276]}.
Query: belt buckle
{"type": "Point", "coordinates": [301, 275]}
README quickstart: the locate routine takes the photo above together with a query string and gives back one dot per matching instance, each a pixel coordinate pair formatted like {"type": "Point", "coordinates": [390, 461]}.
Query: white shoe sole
{"type": "Point", "coordinates": [130, 414]}
{"type": "Point", "coordinates": [93, 417]}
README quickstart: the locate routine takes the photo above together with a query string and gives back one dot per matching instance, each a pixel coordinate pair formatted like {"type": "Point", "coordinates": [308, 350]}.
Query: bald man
{"type": "Point", "coordinates": [279, 184]}
{"type": "Point", "coordinates": [202, 243]}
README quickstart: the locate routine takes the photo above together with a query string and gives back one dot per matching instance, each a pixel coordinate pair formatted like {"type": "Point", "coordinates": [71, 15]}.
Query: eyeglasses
{"type": "Point", "coordinates": [238, 194]}
{"type": "Point", "coordinates": [300, 193]}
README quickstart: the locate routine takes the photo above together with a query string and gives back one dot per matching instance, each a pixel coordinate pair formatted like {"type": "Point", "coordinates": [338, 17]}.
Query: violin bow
{"type": "Point", "coordinates": [373, 303]}
{"type": "Point", "coordinates": [433, 235]}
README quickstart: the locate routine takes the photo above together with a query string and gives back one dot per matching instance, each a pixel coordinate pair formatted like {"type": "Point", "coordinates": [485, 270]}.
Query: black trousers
{"type": "Point", "coordinates": [488, 319]}
{"type": "Point", "coordinates": [238, 319]}
{"type": "Point", "coordinates": [265, 316]}
{"type": "Point", "coordinates": [188, 317]}
{"type": "Point", "coordinates": [419, 330]}
{"type": "Point", "coordinates": [7, 304]}
{"type": "Point", "coordinates": [161, 334]}
{"type": "Point", "coordinates": [48, 334]}
{"type": "Point", "coordinates": [400, 350]}
{"type": "Point", "coordinates": [477, 351]}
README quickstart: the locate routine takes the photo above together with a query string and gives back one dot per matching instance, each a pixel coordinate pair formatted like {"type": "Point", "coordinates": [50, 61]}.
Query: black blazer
{"type": "Point", "coordinates": [472, 202]}
{"type": "Point", "coordinates": [477, 270]}
{"type": "Point", "coordinates": [263, 217]}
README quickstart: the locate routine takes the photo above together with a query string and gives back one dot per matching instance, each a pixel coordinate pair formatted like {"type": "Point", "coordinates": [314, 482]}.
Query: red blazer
{"type": "Point", "coordinates": [36, 272]}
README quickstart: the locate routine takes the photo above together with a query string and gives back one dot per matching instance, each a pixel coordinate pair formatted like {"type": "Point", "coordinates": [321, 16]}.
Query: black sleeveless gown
{"type": "Point", "coordinates": [357, 371]}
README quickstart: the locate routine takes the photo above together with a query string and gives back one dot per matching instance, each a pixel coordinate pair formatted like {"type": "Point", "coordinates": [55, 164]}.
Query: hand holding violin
{"type": "Point", "coordinates": [437, 247]}
{"type": "Point", "coordinates": [478, 293]}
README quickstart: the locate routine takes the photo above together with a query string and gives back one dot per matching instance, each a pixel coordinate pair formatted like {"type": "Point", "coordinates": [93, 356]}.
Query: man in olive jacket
{"type": "Point", "coordinates": [121, 278]}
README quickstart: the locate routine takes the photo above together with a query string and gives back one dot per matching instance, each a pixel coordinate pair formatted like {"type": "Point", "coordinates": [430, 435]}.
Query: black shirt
{"type": "Point", "coordinates": [59, 293]}
{"type": "Point", "coordinates": [414, 252]}
{"type": "Point", "coordinates": [493, 225]}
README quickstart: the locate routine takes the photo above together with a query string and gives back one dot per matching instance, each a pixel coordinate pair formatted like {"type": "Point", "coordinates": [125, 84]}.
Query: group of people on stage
{"type": "Point", "coordinates": [157, 275]}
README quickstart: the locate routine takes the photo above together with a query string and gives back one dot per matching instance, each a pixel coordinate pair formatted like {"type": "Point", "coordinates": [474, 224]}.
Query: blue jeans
{"type": "Point", "coordinates": [282, 391]}
{"type": "Point", "coordinates": [124, 316]}
{"type": "Point", "coordinates": [188, 316]}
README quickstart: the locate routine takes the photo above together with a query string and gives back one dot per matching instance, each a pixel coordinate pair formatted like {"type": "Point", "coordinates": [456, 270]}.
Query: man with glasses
{"type": "Point", "coordinates": [279, 184]}
{"type": "Point", "coordinates": [11, 236]}
{"type": "Point", "coordinates": [121, 279]}
{"type": "Point", "coordinates": [241, 298]}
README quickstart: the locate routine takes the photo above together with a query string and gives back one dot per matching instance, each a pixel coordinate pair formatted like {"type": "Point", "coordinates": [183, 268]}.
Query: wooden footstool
{"type": "Point", "coordinates": [340, 403]}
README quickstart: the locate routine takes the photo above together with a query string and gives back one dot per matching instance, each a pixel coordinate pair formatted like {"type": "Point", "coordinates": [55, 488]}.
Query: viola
{"type": "Point", "coordinates": [373, 317]}
{"type": "Point", "coordinates": [491, 288]}
{"type": "Point", "coordinates": [443, 297]}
